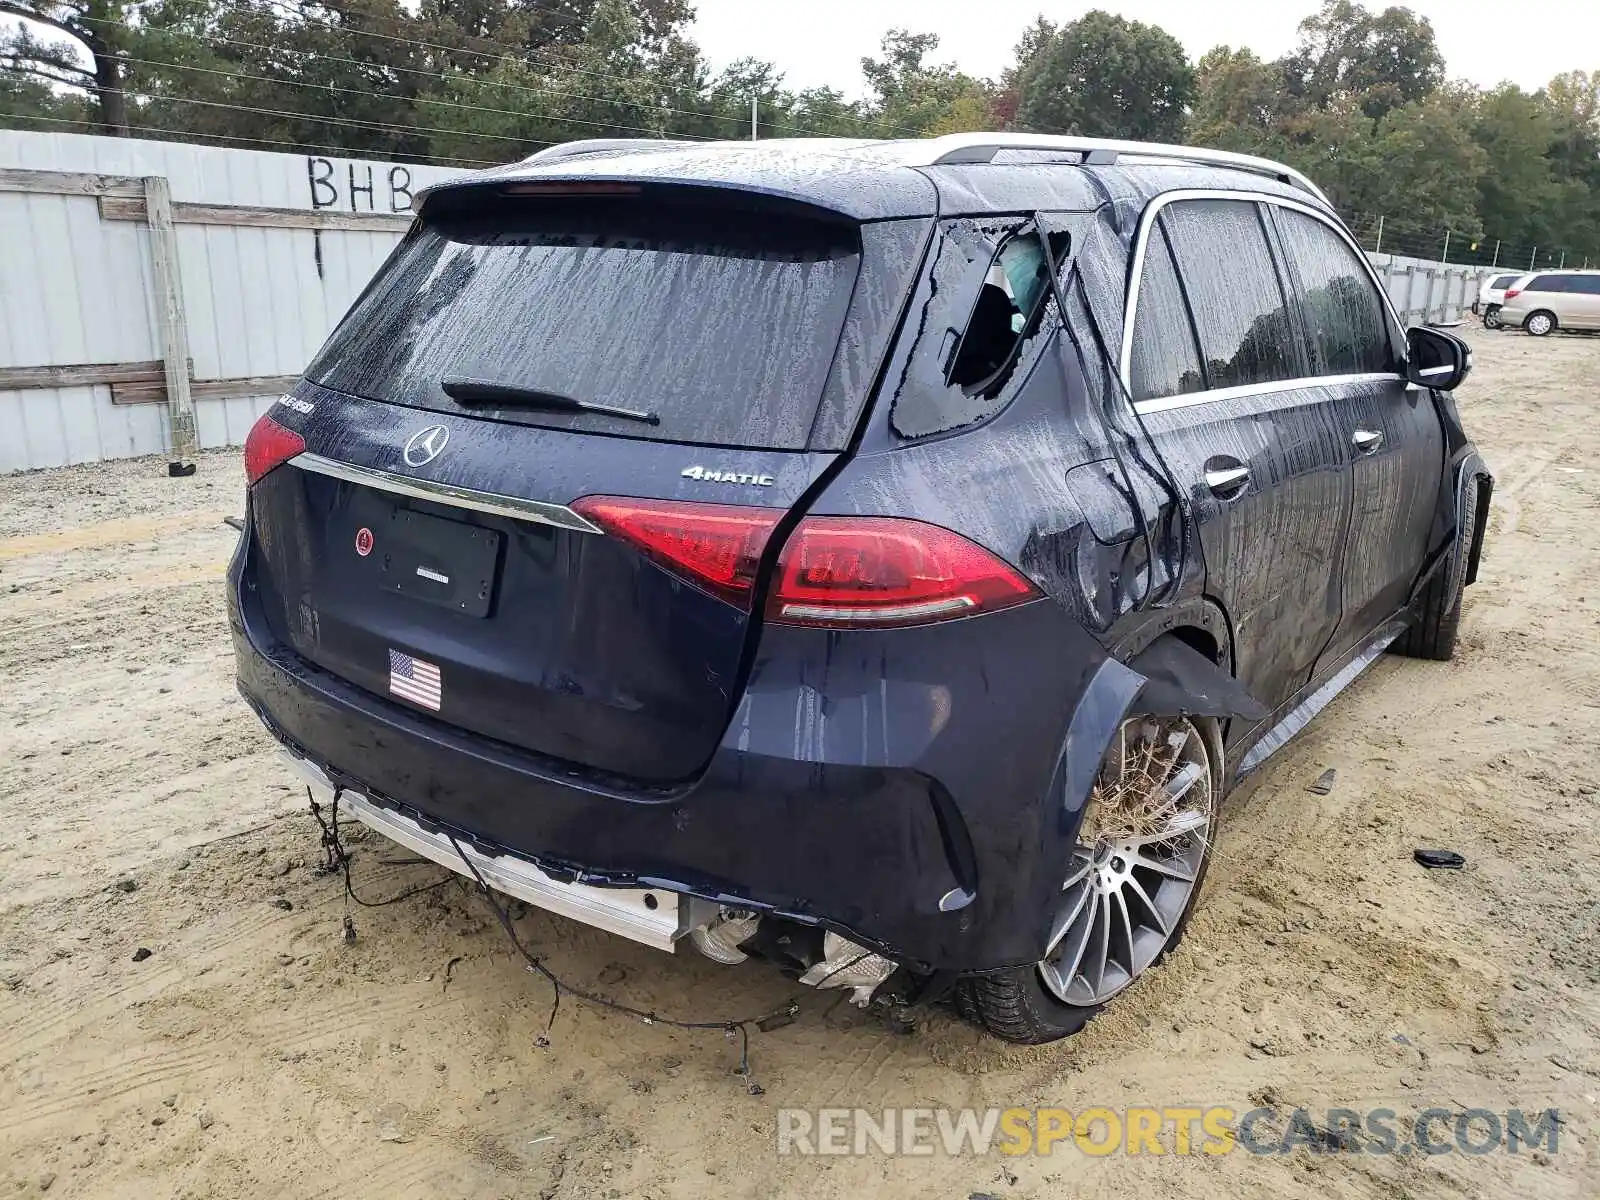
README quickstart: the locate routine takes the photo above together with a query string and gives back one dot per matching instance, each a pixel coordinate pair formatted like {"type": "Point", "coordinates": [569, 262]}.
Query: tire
{"type": "Point", "coordinates": [1019, 1005]}
{"type": "Point", "coordinates": [1541, 323]}
{"type": "Point", "coordinates": [1434, 630]}
{"type": "Point", "coordinates": [1491, 318]}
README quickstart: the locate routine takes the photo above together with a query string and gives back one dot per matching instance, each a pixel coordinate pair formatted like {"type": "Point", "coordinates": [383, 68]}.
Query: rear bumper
{"type": "Point", "coordinates": [914, 797]}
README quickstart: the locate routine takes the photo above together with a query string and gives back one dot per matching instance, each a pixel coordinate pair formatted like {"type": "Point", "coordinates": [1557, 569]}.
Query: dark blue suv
{"type": "Point", "coordinates": [881, 557]}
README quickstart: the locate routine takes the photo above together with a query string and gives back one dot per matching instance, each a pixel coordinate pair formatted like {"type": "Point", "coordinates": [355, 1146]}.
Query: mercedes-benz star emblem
{"type": "Point", "coordinates": [425, 445]}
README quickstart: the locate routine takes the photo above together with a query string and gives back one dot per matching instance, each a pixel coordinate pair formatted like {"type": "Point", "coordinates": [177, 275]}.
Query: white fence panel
{"type": "Point", "coordinates": [76, 287]}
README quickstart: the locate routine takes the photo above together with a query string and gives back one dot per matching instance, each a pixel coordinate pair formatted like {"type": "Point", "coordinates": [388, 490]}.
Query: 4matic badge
{"type": "Point", "coordinates": [711, 475]}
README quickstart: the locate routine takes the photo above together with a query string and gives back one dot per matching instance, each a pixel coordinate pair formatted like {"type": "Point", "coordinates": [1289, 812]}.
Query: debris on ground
{"type": "Point", "coordinates": [1323, 784]}
{"type": "Point", "coordinates": [1447, 860]}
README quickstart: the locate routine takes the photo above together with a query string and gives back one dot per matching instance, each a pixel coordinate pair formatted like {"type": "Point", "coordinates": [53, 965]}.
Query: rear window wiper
{"type": "Point", "coordinates": [511, 395]}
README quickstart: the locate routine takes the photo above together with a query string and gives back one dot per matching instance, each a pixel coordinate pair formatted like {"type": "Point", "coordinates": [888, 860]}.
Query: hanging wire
{"type": "Point", "coordinates": [399, 156]}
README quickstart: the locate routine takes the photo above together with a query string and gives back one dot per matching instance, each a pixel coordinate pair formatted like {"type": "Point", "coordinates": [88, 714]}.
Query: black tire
{"type": "Point", "coordinates": [1016, 1007]}
{"type": "Point", "coordinates": [1491, 318]}
{"type": "Point", "coordinates": [1541, 323]}
{"type": "Point", "coordinates": [1435, 627]}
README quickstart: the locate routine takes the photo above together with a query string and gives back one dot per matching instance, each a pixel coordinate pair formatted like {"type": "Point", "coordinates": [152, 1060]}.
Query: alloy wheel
{"type": "Point", "coordinates": [1134, 869]}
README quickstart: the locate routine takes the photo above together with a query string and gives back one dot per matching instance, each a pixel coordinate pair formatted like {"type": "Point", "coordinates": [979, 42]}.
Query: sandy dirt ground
{"type": "Point", "coordinates": [255, 1054]}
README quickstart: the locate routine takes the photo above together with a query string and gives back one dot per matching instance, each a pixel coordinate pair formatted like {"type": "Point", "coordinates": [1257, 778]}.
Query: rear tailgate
{"type": "Point", "coordinates": [458, 577]}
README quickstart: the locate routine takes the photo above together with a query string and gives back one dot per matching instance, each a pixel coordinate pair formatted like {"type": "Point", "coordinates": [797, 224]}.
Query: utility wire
{"type": "Point", "coordinates": [329, 87]}
{"type": "Point", "coordinates": [351, 122]}
{"type": "Point", "coordinates": [520, 53]}
{"type": "Point", "coordinates": [508, 52]}
{"type": "Point", "coordinates": [400, 155]}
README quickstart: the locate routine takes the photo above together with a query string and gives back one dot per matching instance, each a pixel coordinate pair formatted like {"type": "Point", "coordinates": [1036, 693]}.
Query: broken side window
{"type": "Point", "coordinates": [977, 325]}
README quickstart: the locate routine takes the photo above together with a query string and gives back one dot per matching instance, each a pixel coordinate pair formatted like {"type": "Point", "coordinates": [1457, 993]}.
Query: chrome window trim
{"type": "Point", "coordinates": [1141, 241]}
{"type": "Point", "coordinates": [492, 503]}
{"type": "Point", "coordinates": [1158, 404]}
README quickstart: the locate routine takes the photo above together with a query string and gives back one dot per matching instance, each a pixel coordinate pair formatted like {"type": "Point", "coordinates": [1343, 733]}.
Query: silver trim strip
{"type": "Point", "coordinates": [951, 147]}
{"type": "Point", "coordinates": [446, 493]}
{"type": "Point", "coordinates": [1300, 716]}
{"type": "Point", "coordinates": [1216, 395]}
{"type": "Point", "coordinates": [622, 911]}
{"type": "Point", "coordinates": [1141, 242]}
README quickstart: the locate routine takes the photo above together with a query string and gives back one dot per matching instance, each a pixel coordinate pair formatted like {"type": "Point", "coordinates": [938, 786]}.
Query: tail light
{"type": "Point", "coordinates": [835, 572]}
{"type": "Point", "coordinates": [716, 547]}
{"type": "Point", "coordinates": [849, 572]}
{"type": "Point", "coordinates": [1513, 292]}
{"type": "Point", "coordinates": [269, 445]}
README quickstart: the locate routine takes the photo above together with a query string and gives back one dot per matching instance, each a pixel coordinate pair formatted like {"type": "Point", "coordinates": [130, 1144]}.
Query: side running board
{"type": "Point", "coordinates": [1300, 715]}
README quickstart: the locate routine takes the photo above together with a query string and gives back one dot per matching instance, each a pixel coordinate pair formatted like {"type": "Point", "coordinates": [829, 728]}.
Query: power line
{"type": "Point", "coordinates": [785, 125]}
{"type": "Point", "coordinates": [403, 156]}
{"type": "Point", "coordinates": [353, 123]}
{"type": "Point", "coordinates": [529, 53]}
{"type": "Point", "coordinates": [329, 87]}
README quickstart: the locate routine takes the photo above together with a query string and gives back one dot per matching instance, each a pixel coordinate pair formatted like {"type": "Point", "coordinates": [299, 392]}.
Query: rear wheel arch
{"type": "Point", "coordinates": [1199, 623]}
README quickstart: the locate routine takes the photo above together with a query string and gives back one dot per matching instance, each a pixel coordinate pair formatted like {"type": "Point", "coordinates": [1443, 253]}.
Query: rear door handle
{"type": "Point", "coordinates": [1366, 440]}
{"type": "Point", "coordinates": [1228, 482]}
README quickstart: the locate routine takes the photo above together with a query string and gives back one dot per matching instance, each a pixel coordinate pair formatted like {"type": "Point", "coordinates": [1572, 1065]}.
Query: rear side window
{"type": "Point", "coordinates": [1163, 359]}
{"type": "Point", "coordinates": [1501, 282]}
{"type": "Point", "coordinates": [1589, 285]}
{"type": "Point", "coordinates": [978, 324]}
{"type": "Point", "coordinates": [1346, 330]}
{"type": "Point", "coordinates": [1241, 315]}
{"type": "Point", "coordinates": [722, 327]}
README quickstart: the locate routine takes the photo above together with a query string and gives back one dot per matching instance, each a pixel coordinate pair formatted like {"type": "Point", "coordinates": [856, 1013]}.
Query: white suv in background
{"type": "Point", "coordinates": [1491, 295]}
{"type": "Point", "coordinates": [1546, 301]}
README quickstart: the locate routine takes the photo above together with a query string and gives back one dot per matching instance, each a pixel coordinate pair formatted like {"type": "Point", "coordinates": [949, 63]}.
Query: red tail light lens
{"type": "Point", "coordinates": [849, 572]}
{"type": "Point", "coordinates": [716, 547]}
{"type": "Point", "coordinates": [269, 445]}
{"type": "Point", "coordinates": [1511, 292]}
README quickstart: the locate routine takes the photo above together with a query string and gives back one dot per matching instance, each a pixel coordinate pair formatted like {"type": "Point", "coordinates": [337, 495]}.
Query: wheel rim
{"type": "Point", "coordinates": [1539, 324]}
{"type": "Point", "coordinates": [1139, 851]}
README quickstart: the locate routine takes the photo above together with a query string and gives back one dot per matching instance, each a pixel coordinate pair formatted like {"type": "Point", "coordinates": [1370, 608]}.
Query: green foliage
{"type": "Point", "coordinates": [1104, 76]}
{"type": "Point", "coordinates": [1360, 104]}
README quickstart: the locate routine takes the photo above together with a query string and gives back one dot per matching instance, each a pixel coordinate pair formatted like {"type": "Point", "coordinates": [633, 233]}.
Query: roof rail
{"type": "Point", "coordinates": [586, 146]}
{"type": "Point", "coordinates": [983, 147]}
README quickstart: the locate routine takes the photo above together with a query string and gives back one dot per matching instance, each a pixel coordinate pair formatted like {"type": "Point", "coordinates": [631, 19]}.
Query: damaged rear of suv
{"type": "Point", "coordinates": [769, 549]}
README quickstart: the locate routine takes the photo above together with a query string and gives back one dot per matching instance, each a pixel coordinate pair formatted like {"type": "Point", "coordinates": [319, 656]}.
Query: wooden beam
{"type": "Point", "coordinates": [170, 321]}
{"type": "Point", "coordinates": [79, 375]}
{"type": "Point", "coordinates": [155, 391]}
{"type": "Point", "coordinates": [125, 209]}
{"type": "Point", "coordinates": [69, 183]}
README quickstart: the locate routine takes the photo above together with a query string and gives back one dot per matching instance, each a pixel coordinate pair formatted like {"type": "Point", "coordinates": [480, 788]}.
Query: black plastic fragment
{"type": "Point", "coordinates": [1323, 784]}
{"type": "Point", "coordinates": [179, 470]}
{"type": "Point", "coordinates": [1447, 860]}
{"type": "Point", "coordinates": [1179, 679]}
{"type": "Point", "coordinates": [141, 954]}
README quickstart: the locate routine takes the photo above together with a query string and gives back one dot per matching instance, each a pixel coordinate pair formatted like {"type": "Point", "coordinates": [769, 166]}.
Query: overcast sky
{"type": "Point", "coordinates": [821, 42]}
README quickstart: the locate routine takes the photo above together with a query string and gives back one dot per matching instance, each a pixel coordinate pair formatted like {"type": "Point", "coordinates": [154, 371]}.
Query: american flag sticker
{"type": "Point", "coordinates": [414, 680]}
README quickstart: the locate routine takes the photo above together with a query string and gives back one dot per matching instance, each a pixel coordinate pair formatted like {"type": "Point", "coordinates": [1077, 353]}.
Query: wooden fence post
{"type": "Point", "coordinates": [173, 328]}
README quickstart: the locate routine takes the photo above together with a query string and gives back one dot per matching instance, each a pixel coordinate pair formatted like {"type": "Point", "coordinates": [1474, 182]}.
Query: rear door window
{"type": "Point", "coordinates": [1163, 359]}
{"type": "Point", "coordinates": [722, 326]}
{"type": "Point", "coordinates": [1589, 285]}
{"type": "Point", "coordinates": [1346, 330]}
{"type": "Point", "coordinates": [1548, 283]}
{"type": "Point", "coordinates": [1241, 313]}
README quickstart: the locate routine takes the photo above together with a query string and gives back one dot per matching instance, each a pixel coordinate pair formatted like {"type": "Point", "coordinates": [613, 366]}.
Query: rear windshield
{"type": "Point", "coordinates": [723, 327]}
{"type": "Point", "coordinates": [1501, 282]}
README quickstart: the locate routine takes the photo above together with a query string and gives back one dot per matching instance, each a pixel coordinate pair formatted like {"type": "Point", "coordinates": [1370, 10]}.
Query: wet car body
{"type": "Point", "coordinates": [914, 788]}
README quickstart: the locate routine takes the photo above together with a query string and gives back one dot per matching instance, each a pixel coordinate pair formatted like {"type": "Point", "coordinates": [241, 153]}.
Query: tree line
{"type": "Point", "coordinates": [1363, 104]}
